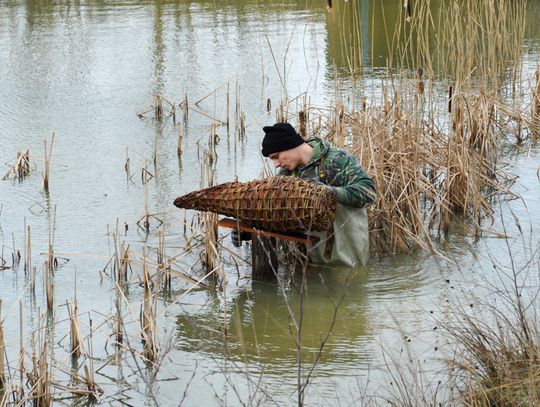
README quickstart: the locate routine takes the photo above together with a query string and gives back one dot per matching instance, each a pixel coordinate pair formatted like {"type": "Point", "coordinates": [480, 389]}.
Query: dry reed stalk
{"type": "Point", "coordinates": [93, 391]}
{"type": "Point", "coordinates": [39, 376]}
{"type": "Point", "coordinates": [76, 340]}
{"type": "Point", "coordinates": [148, 316]}
{"type": "Point", "coordinates": [535, 116]}
{"type": "Point", "coordinates": [2, 351]}
{"type": "Point", "coordinates": [423, 175]}
{"type": "Point", "coordinates": [164, 266]}
{"type": "Point", "coordinates": [21, 168]}
{"type": "Point", "coordinates": [118, 320]}
{"type": "Point", "coordinates": [208, 172]}
{"type": "Point", "coordinates": [126, 165]}
{"type": "Point", "coordinates": [120, 259]}
{"type": "Point", "coordinates": [49, 289]}
{"type": "Point", "coordinates": [185, 109]}
{"type": "Point", "coordinates": [48, 155]}
{"type": "Point", "coordinates": [27, 249]}
{"type": "Point", "coordinates": [52, 261]}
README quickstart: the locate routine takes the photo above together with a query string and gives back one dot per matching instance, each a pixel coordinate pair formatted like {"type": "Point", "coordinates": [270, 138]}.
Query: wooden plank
{"type": "Point", "coordinates": [234, 224]}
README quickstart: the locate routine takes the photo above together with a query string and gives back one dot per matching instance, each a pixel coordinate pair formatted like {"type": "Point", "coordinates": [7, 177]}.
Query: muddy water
{"type": "Point", "coordinates": [83, 72]}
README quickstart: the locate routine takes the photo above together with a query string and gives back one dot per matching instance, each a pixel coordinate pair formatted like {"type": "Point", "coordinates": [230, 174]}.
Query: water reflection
{"type": "Point", "coordinates": [260, 327]}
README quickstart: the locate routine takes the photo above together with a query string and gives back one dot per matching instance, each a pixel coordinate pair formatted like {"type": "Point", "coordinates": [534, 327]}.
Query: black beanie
{"type": "Point", "coordinates": [280, 137]}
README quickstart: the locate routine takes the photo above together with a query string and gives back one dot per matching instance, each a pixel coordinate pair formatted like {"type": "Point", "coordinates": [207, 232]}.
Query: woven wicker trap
{"type": "Point", "coordinates": [281, 204]}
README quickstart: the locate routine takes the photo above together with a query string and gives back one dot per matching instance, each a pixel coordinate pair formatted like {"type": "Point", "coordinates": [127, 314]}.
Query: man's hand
{"type": "Point", "coordinates": [238, 236]}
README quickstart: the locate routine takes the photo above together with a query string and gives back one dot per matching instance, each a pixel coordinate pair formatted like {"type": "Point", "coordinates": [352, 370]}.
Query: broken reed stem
{"type": "Point", "coordinates": [52, 262]}
{"type": "Point", "coordinates": [75, 332]}
{"type": "Point", "coordinates": [185, 109]}
{"type": "Point", "coordinates": [21, 168]}
{"type": "Point", "coordinates": [148, 316]}
{"type": "Point", "coordinates": [27, 249]}
{"type": "Point", "coordinates": [49, 289]}
{"type": "Point", "coordinates": [2, 351]}
{"type": "Point", "coordinates": [126, 165]}
{"type": "Point", "coordinates": [48, 155]}
{"type": "Point", "coordinates": [119, 322]}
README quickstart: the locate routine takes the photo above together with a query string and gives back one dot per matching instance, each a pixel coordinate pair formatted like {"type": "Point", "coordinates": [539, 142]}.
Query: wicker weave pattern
{"type": "Point", "coordinates": [281, 204]}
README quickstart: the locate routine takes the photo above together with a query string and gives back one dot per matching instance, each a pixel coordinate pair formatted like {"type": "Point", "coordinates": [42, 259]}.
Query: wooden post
{"type": "Point", "coordinates": [264, 261]}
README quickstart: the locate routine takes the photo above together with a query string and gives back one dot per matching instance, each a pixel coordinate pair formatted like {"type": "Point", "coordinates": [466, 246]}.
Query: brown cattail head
{"type": "Point", "coordinates": [281, 204]}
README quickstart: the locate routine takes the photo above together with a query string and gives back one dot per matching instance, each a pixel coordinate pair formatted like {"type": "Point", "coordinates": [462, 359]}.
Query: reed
{"type": "Point", "coordinates": [49, 289]}
{"type": "Point", "coordinates": [76, 341]}
{"type": "Point", "coordinates": [185, 109]}
{"type": "Point", "coordinates": [163, 266]}
{"type": "Point", "coordinates": [535, 115]}
{"type": "Point", "coordinates": [21, 168]}
{"type": "Point", "coordinates": [127, 165]}
{"type": "Point", "coordinates": [75, 336]}
{"type": "Point", "coordinates": [27, 249]}
{"type": "Point", "coordinates": [497, 356]}
{"type": "Point", "coordinates": [118, 320]}
{"type": "Point", "coordinates": [39, 376]}
{"type": "Point", "coordinates": [2, 351]}
{"type": "Point", "coordinates": [93, 391]}
{"type": "Point", "coordinates": [148, 316]}
{"type": "Point", "coordinates": [48, 155]}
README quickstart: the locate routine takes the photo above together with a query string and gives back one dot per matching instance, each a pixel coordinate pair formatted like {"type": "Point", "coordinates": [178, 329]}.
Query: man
{"type": "Point", "coordinates": [316, 160]}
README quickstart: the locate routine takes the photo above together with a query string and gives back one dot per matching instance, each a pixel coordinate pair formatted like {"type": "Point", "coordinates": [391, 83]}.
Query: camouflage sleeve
{"type": "Point", "coordinates": [353, 186]}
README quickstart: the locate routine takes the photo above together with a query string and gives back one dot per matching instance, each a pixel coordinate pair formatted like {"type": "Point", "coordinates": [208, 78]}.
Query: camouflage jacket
{"type": "Point", "coordinates": [339, 169]}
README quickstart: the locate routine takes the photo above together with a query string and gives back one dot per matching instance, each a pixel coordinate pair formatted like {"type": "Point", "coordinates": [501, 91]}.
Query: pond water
{"type": "Point", "coordinates": [83, 71]}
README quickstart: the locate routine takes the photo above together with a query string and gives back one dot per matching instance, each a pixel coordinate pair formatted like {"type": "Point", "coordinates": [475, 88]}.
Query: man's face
{"type": "Point", "coordinates": [288, 159]}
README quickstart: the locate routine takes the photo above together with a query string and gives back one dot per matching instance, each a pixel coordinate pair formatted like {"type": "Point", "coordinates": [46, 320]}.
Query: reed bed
{"type": "Point", "coordinates": [424, 176]}
{"type": "Point", "coordinates": [39, 375]}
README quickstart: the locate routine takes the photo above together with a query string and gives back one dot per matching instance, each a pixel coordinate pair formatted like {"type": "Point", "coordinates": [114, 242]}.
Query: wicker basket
{"type": "Point", "coordinates": [281, 204]}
